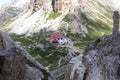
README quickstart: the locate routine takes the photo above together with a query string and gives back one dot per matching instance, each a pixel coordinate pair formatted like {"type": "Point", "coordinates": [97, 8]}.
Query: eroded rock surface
{"type": "Point", "coordinates": [100, 60]}
{"type": "Point", "coordinates": [17, 64]}
{"type": "Point", "coordinates": [12, 61]}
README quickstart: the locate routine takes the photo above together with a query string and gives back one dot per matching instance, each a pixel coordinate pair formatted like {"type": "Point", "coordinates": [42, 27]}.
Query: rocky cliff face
{"type": "Point", "coordinates": [100, 60]}
{"type": "Point", "coordinates": [36, 5]}
{"type": "Point", "coordinates": [12, 62]}
{"type": "Point", "coordinates": [12, 65]}
{"type": "Point", "coordinates": [58, 6]}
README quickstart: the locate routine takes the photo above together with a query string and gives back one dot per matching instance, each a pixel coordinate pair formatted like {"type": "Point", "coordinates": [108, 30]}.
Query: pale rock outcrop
{"type": "Point", "coordinates": [38, 4]}
{"type": "Point", "coordinates": [60, 6]}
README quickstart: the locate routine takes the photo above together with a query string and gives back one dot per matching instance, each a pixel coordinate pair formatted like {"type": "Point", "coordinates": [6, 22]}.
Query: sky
{"type": "Point", "coordinates": [115, 4]}
{"type": "Point", "coordinates": [18, 1]}
{"type": "Point", "coordinates": [2, 1]}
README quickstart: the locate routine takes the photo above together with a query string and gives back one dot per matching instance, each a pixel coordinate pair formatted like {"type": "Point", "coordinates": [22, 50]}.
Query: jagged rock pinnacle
{"type": "Point", "coordinates": [115, 22]}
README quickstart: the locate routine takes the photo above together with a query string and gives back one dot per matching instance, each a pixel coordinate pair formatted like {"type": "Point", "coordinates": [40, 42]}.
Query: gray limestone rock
{"type": "Point", "coordinates": [15, 62]}
{"type": "Point", "coordinates": [100, 60]}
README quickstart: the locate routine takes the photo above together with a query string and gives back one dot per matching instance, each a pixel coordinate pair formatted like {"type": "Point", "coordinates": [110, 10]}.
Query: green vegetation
{"type": "Point", "coordinates": [97, 27]}
{"type": "Point", "coordinates": [10, 8]}
{"type": "Point", "coordinates": [47, 56]}
{"type": "Point", "coordinates": [66, 19]}
{"type": "Point", "coordinates": [54, 15]}
{"type": "Point", "coordinates": [2, 27]}
{"type": "Point", "coordinates": [50, 55]}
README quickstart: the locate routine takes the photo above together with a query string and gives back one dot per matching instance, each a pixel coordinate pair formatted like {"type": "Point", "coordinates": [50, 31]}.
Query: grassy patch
{"type": "Point", "coordinates": [54, 15]}
{"type": "Point", "coordinates": [6, 23]}
{"type": "Point", "coordinates": [55, 54]}
{"type": "Point", "coordinates": [46, 56]}
{"type": "Point", "coordinates": [66, 19]}
{"type": "Point", "coordinates": [99, 26]}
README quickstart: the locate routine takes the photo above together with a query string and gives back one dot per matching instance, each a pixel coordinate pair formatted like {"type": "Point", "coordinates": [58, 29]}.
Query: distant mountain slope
{"type": "Point", "coordinates": [8, 12]}
{"type": "Point", "coordinates": [80, 17]}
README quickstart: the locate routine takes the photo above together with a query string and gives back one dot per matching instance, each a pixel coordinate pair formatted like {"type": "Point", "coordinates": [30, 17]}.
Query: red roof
{"type": "Point", "coordinates": [53, 36]}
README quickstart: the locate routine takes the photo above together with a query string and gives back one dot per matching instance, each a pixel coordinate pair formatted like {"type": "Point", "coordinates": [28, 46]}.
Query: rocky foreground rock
{"type": "Point", "coordinates": [17, 64]}
{"type": "Point", "coordinates": [100, 60]}
{"type": "Point", "coordinates": [12, 61]}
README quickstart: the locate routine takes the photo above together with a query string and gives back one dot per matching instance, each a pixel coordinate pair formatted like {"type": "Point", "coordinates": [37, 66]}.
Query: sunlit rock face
{"type": "Point", "coordinates": [60, 6]}
{"type": "Point", "coordinates": [36, 5]}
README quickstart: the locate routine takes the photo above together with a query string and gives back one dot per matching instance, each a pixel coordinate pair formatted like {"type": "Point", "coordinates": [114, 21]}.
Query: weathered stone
{"type": "Point", "coordinates": [115, 22]}
{"type": "Point", "coordinates": [38, 4]}
{"type": "Point", "coordinates": [12, 62]}
{"type": "Point", "coordinates": [33, 73]}
{"type": "Point", "coordinates": [100, 60]}
{"type": "Point", "coordinates": [75, 69]}
{"type": "Point", "coordinates": [59, 73]}
{"type": "Point", "coordinates": [60, 6]}
{"type": "Point", "coordinates": [12, 65]}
